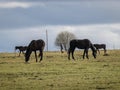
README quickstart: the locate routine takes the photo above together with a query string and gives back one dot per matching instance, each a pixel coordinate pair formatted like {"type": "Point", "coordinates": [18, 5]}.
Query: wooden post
{"type": "Point", "coordinates": [46, 40]}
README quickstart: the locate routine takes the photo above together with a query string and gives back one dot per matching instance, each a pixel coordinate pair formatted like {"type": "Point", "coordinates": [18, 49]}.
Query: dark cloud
{"type": "Point", "coordinates": [60, 13]}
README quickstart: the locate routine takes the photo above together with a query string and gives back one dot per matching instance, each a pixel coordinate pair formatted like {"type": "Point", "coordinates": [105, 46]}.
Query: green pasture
{"type": "Point", "coordinates": [56, 72]}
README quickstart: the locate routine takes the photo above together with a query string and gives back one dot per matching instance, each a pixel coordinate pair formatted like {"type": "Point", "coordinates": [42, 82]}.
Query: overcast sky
{"type": "Point", "coordinates": [24, 20]}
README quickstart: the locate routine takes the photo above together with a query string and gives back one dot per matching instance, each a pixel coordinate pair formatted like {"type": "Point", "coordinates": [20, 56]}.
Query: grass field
{"type": "Point", "coordinates": [56, 72]}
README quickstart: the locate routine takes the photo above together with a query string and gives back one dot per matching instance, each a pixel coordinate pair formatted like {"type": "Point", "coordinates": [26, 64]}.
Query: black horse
{"type": "Point", "coordinates": [21, 49]}
{"type": "Point", "coordinates": [34, 46]}
{"type": "Point", "coordinates": [100, 46]}
{"type": "Point", "coordinates": [81, 44]}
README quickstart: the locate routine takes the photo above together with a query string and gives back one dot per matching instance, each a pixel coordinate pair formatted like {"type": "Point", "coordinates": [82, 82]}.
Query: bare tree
{"type": "Point", "coordinates": [63, 39]}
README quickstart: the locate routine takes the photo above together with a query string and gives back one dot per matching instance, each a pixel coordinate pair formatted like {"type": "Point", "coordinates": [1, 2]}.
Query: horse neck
{"type": "Point", "coordinates": [28, 52]}
{"type": "Point", "coordinates": [93, 48]}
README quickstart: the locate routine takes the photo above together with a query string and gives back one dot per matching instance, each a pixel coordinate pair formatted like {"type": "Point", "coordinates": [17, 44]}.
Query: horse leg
{"type": "Point", "coordinates": [105, 51]}
{"type": "Point", "coordinates": [23, 52]}
{"type": "Point", "coordinates": [19, 53]}
{"type": "Point", "coordinates": [69, 51]}
{"type": "Point", "coordinates": [73, 53]}
{"type": "Point", "coordinates": [41, 55]}
{"type": "Point", "coordinates": [61, 48]}
{"type": "Point", "coordinates": [98, 51]}
{"type": "Point", "coordinates": [87, 53]}
{"type": "Point", "coordinates": [35, 55]}
{"type": "Point", "coordinates": [84, 54]}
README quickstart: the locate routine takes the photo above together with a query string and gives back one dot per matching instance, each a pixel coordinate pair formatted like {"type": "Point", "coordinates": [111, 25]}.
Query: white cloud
{"type": "Point", "coordinates": [103, 33]}
{"type": "Point", "coordinates": [19, 4]}
{"type": "Point", "coordinates": [100, 33]}
{"type": "Point", "coordinates": [97, 33]}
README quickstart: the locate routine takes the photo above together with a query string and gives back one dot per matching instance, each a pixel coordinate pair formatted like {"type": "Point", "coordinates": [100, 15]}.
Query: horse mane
{"type": "Point", "coordinates": [29, 51]}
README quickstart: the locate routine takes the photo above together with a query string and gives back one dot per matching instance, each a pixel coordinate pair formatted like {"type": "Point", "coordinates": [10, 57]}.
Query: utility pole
{"type": "Point", "coordinates": [46, 40]}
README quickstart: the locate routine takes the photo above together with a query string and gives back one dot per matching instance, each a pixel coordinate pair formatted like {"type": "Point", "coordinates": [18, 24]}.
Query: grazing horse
{"type": "Point", "coordinates": [100, 46]}
{"type": "Point", "coordinates": [34, 46]}
{"type": "Point", "coordinates": [21, 49]}
{"type": "Point", "coordinates": [81, 44]}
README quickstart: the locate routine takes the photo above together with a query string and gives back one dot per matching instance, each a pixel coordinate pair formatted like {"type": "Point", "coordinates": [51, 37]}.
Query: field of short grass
{"type": "Point", "coordinates": [56, 72]}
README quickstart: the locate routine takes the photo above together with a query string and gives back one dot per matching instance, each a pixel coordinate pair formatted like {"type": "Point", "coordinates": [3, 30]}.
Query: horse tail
{"type": "Point", "coordinates": [43, 46]}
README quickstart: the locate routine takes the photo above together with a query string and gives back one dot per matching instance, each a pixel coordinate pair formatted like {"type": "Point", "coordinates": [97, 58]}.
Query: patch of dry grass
{"type": "Point", "coordinates": [56, 72]}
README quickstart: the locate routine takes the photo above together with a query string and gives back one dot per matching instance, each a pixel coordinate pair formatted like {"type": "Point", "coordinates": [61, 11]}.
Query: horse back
{"type": "Point", "coordinates": [40, 44]}
{"type": "Point", "coordinates": [36, 45]}
{"type": "Point", "coordinates": [80, 43]}
{"type": "Point", "coordinates": [99, 46]}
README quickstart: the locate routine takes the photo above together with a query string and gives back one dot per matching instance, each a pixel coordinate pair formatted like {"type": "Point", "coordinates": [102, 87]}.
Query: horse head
{"type": "Point", "coordinates": [27, 55]}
